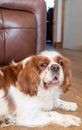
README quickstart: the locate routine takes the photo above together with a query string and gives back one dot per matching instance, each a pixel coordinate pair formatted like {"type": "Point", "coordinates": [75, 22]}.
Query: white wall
{"type": "Point", "coordinates": [49, 3]}
{"type": "Point", "coordinates": [73, 24]}
{"type": "Point", "coordinates": [58, 20]}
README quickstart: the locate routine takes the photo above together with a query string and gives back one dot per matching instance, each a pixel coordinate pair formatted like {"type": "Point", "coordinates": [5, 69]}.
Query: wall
{"type": "Point", "coordinates": [73, 25]}
{"type": "Point", "coordinates": [57, 21]}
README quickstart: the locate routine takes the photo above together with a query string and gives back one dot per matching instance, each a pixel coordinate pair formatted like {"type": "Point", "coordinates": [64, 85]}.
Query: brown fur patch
{"type": "Point", "coordinates": [8, 78]}
{"type": "Point", "coordinates": [10, 102]}
{"type": "Point", "coordinates": [67, 72]}
{"type": "Point", "coordinates": [28, 79]}
{"type": "Point", "coordinates": [41, 63]}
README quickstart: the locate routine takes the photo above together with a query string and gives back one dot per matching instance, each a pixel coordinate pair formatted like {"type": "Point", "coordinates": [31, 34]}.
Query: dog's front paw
{"type": "Point", "coordinates": [6, 121]}
{"type": "Point", "coordinates": [71, 106]}
{"type": "Point", "coordinates": [70, 120]}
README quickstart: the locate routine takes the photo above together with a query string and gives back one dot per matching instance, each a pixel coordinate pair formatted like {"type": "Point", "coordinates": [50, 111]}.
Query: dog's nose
{"type": "Point", "coordinates": [55, 68]}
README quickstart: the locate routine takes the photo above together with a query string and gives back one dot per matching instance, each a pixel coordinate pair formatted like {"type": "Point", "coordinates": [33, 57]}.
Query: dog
{"type": "Point", "coordinates": [31, 89]}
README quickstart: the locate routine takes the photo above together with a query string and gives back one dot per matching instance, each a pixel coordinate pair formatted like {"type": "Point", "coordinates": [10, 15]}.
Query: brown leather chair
{"type": "Point", "coordinates": [22, 29]}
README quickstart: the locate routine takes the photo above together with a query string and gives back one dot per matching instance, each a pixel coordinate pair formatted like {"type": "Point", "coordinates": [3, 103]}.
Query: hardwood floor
{"type": "Point", "coordinates": [75, 93]}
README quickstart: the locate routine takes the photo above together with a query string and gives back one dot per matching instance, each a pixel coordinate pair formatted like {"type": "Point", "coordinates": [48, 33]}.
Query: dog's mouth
{"type": "Point", "coordinates": [54, 81]}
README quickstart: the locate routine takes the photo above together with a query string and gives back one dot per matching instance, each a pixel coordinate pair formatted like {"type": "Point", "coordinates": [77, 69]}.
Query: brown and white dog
{"type": "Point", "coordinates": [30, 89]}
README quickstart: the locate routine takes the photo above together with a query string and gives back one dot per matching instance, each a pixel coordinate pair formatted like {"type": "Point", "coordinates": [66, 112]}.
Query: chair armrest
{"type": "Point", "coordinates": [38, 7]}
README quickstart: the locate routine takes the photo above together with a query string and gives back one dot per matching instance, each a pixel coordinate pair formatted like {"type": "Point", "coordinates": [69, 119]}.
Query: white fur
{"type": "Point", "coordinates": [3, 104]}
{"type": "Point", "coordinates": [35, 111]}
{"type": "Point", "coordinates": [25, 61]}
{"type": "Point", "coordinates": [50, 54]}
{"type": "Point", "coordinates": [47, 75]}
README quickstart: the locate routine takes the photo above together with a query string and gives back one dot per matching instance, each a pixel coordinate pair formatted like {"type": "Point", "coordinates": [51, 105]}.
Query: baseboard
{"type": "Point", "coordinates": [57, 45]}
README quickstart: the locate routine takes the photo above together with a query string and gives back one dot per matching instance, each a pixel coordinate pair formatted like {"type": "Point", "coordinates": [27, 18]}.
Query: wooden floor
{"type": "Point", "coordinates": [75, 93]}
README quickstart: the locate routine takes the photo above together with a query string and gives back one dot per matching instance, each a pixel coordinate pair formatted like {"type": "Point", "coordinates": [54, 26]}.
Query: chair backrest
{"type": "Point", "coordinates": [22, 29]}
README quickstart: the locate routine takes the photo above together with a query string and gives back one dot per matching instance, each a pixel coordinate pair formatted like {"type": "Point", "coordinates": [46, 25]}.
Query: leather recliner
{"type": "Point", "coordinates": [22, 29]}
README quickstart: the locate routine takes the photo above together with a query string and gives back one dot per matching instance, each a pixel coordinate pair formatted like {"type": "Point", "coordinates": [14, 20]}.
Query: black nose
{"type": "Point", "coordinates": [55, 68]}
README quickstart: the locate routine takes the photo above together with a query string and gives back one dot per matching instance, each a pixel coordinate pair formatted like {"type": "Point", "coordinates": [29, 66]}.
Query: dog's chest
{"type": "Point", "coordinates": [49, 94]}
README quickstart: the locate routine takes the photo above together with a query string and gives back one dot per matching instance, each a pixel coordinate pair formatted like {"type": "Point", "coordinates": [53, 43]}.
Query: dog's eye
{"type": "Point", "coordinates": [44, 65]}
{"type": "Point", "coordinates": [60, 63]}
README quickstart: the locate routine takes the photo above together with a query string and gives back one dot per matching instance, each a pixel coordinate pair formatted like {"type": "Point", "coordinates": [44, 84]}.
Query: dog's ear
{"type": "Point", "coordinates": [67, 76]}
{"type": "Point", "coordinates": [28, 78]}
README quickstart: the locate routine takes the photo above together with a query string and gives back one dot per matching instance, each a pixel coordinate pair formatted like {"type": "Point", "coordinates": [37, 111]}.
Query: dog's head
{"type": "Point", "coordinates": [49, 68]}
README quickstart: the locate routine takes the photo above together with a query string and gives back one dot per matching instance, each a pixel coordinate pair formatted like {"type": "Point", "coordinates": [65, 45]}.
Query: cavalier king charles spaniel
{"type": "Point", "coordinates": [30, 91]}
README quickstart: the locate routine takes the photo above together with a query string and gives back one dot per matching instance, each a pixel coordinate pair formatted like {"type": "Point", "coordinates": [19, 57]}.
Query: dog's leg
{"type": "Point", "coordinates": [68, 106]}
{"type": "Point", "coordinates": [45, 118]}
{"type": "Point", "coordinates": [65, 119]}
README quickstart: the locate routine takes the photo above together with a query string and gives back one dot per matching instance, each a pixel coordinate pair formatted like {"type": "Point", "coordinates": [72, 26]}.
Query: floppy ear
{"type": "Point", "coordinates": [28, 78]}
{"type": "Point", "coordinates": [67, 76]}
